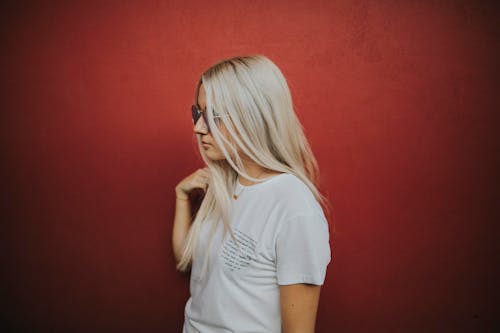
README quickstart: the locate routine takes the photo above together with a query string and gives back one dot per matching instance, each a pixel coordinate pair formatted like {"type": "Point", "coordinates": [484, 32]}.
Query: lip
{"type": "Point", "coordinates": [205, 143]}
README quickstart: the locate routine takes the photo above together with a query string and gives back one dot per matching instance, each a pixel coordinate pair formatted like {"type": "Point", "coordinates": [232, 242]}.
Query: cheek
{"type": "Point", "coordinates": [216, 151]}
{"type": "Point", "coordinates": [225, 133]}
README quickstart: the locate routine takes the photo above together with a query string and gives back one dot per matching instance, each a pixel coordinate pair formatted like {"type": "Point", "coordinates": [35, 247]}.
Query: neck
{"type": "Point", "coordinates": [255, 171]}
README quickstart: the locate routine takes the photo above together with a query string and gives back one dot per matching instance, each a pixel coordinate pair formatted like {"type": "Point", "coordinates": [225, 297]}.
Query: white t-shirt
{"type": "Point", "coordinates": [284, 239]}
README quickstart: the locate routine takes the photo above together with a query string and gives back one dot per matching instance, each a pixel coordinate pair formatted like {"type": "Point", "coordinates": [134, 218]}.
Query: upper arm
{"type": "Point", "coordinates": [302, 250]}
{"type": "Point", "coordinates": [302, 255]}
{"type": "Point", "coordinates": [299, 305]}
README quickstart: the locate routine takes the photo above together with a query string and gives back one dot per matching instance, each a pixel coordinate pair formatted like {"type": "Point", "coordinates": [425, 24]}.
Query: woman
{"type": "Point", "coordinates": [258, 246]}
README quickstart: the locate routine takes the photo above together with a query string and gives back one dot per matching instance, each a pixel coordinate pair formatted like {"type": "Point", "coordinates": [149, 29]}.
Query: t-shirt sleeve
{"type": "Point", "coordinates": [303, 250]}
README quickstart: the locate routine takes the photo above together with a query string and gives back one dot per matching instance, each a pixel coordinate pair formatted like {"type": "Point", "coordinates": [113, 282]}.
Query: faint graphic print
{"type": "Point", "coordinates": [235, 258]}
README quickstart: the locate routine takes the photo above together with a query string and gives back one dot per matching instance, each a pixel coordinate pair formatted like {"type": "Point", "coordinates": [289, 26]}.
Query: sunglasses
{"type": "Point", "coordinates": [196, 112]}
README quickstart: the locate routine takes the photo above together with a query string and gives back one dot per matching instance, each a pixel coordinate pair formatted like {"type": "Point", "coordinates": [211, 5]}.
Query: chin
{"type": "Point", "coordinates": [214, 156]}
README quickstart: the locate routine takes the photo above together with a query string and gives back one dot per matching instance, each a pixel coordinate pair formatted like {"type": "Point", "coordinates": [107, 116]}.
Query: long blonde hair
{"type": "Point", "coordinates": [254, 93]}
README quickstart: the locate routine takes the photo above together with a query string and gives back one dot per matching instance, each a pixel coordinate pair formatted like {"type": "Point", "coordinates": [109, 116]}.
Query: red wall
{"type": "Point", "coordinates": [398, 98]}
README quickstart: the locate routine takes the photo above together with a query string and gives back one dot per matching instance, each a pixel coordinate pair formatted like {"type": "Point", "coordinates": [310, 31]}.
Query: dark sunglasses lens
{"type": "Point", "coordinates": [195, 113]}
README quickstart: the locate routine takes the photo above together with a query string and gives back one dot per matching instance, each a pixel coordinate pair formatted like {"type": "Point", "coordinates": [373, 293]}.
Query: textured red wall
{"type": "Point", "coordinates": [398, 98]}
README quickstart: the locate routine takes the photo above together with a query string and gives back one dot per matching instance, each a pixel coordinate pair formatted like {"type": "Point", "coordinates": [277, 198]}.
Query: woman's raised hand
{"type": "Point", "coordinates": [198, 179]}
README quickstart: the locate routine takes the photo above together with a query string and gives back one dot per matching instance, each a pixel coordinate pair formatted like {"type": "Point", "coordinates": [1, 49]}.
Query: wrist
{"type": "Point", "coordinates": [181, 196]}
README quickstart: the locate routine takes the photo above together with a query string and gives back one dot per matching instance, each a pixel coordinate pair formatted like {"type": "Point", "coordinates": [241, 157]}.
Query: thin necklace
{"type": "Point", "coordinates": [236, 196]}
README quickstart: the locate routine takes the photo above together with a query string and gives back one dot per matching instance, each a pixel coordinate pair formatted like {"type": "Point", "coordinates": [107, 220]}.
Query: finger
{"type": "Point", "coordinates": [203, 178]}
{"type": "Point", "coordinates": [202, 185]}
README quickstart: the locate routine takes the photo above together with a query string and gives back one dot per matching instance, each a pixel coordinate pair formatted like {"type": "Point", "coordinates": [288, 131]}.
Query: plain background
{"type": "Point", "coordinates": [399, 100]}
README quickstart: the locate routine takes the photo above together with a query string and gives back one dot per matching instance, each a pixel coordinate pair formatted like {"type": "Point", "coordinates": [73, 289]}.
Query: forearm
{"type": "Point", "coordinates": [182, 223]}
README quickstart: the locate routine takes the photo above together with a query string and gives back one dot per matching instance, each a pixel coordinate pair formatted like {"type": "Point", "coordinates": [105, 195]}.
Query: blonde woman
{"type": "Point", "coordinates": [258, 245]}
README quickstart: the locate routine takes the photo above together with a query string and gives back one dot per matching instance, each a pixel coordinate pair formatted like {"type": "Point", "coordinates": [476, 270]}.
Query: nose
{"type": "Point", "coordinates": [200, 127]}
